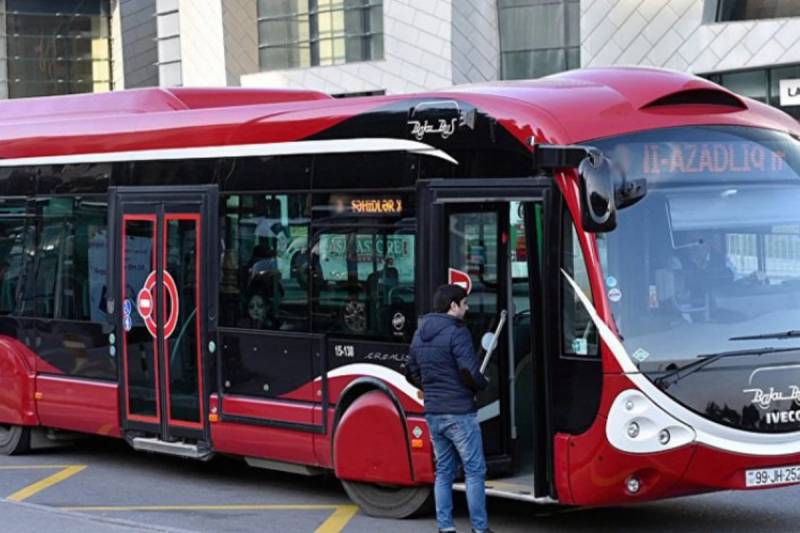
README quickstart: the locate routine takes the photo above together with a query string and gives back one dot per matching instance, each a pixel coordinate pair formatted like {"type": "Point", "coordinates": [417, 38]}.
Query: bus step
{"type": "Point", "coordinates": [280, 466]}
{"type": "Point", "coordinates": [181, 449]}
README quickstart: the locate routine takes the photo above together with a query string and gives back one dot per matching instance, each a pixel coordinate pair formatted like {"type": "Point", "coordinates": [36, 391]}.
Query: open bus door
{"type": "Point", "coordinates": [491, 231]}
{"type": "Point", "coordinates": [161, 265]}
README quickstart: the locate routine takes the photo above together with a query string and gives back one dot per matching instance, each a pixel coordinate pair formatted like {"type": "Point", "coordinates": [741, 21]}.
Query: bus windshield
{"type": "Point", "coordinates": [712, 253]}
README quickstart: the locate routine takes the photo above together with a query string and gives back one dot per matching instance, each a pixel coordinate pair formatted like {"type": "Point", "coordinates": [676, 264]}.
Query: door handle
{"type": "Point", "coordinates": [492, 339]}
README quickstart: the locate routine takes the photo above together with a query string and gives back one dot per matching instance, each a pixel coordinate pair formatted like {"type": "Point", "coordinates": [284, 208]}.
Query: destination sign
{"type": "Point", "coordinates": [377, 206]}
{"type": "Point", "coordinates": [711, 157]}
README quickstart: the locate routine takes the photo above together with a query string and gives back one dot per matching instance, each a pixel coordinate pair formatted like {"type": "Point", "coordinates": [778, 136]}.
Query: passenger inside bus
{"type": "Point", "coordinates": [263, 260]}
{"type": "Point", "coordinates": [264, 284]}
{"type": "Point", "coordinates": [710, 270]}
{"type": "Point", "coordinates": [256, 312]}
{"type": "Point", "coordinates": [697, 271]}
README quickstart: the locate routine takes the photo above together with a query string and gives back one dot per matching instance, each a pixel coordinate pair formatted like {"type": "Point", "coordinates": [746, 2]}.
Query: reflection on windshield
{"type": "Point", "coordinates": [709, 254]}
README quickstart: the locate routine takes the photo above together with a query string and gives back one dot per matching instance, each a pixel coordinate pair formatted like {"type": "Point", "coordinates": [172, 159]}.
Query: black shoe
{"type": "Point", "coordinates": [447, 531]}
{"type": "Point", "coordinates": [487, 530]}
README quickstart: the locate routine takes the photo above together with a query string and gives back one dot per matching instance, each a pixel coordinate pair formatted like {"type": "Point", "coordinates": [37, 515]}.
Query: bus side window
{"type": "Point", "coordinates": [361, 259]}
{"type": "Point", "coordinates": [264, 274]}
{"type": "Point", "coordinates": [363, 282]}
{"type": "Point", "coordinates": [578, 332]}
{"type": "Point", "coordinates": [48, 247]}
{"type": "Point", "coordinates": [67, 273]}
{"type": "Point", "coordinates": [12, 239]}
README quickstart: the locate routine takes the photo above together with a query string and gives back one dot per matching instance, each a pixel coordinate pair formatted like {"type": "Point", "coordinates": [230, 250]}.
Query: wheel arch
{"type": "Point", "coordinates": [17, 384]}
{"type": "Point", "coordinates": [355, 390]}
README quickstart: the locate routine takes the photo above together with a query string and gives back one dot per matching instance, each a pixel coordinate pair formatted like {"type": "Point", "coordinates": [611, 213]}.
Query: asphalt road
{"type": "Point", "coordinates": [102, 486]}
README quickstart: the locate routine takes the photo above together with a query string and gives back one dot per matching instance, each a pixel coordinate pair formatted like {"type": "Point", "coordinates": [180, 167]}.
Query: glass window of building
{"type": "Point", "coordinates": [730, 10]}
{"type": "Point", "coordinates": [749, 83]}
{"type": "Point", "coordinates": [763, 84]}
{"type": "Point", "coordinates": [538, 37]}
{"type": "Point", "coordinates": [305, 33]}
{"type": "Point", "coordinates": [57, 47]}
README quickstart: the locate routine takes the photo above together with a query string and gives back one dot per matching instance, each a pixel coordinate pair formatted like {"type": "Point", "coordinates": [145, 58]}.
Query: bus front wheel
{"type": "Point", "coordinates": [14, 439]}
{"type": "Point", "coordinates": [388, 501]}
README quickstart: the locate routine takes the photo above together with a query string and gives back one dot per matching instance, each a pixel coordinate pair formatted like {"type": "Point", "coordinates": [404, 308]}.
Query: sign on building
{"type": "Point", "coordinates": [790, 92]}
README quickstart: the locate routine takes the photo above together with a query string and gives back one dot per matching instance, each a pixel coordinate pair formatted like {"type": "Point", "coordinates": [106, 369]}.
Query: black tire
{"type": "Point", "coordinates": [14, 440]}
{"type": "Point", "coordinates": [389, 502]}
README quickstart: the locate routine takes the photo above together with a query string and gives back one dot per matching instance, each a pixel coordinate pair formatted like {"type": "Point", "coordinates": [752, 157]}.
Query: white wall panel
{"type": "Point", "coordinates": [672, 35]}
{"type": "Point", "coordinates": [202, 43]}
{"type": "Point", "coordinates": [475, 43]}
{"type": "Point", "coordinates": [417, 55]}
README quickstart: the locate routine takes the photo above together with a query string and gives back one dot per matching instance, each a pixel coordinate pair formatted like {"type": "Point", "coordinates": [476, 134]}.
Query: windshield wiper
{"type": "Point", "coordinates": [792, 333]}
{"type": "Point", "coordinates": [703, 360]}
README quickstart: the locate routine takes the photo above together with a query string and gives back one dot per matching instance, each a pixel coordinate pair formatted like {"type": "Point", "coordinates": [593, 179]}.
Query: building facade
{"type": "Point", "coordinates": [54, 47]}
{"type": "Point", "coordinates": [357, 47]}
{"type": "Point", "coordinates": [425, 44]}
{"type": "Point", "coordinates": [748, 46]}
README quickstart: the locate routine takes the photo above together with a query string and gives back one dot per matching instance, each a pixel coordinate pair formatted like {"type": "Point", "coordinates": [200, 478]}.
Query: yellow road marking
{"type": "Point", "coordinates": [67, 472]}
{"type": "Point", "coordinates": [340, 517]}
{"type": "Point", "coordinates": [342, 514]}
{"type": "Point", "coordinates": [244, 507]}
{"type": "Point", "coordinates": [335, 523]}
{"type": "Point", "coordinates": [33, 467]}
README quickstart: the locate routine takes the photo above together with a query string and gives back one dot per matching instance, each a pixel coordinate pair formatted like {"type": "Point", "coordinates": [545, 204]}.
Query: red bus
{"type": "Point", "coordinates": [238, 271]}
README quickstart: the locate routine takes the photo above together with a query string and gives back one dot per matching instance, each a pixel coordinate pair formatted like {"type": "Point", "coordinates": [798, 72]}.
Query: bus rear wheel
{"type": "Point", "coordinates": [14, 440]}
{"type": "Point", "coordinates": [388, 501]}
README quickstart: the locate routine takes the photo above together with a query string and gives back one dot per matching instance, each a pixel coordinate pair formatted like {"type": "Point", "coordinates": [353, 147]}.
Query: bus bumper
{"type": "Point", "coordinates": [590, 471]}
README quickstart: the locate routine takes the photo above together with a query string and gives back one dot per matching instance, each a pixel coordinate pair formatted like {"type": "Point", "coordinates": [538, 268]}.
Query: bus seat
{"type": "Point", "coordinates": [665, 284]}
{"type": "Point", "coordinates": [669, 288]}
{"type": "Point", "coordinates": [379, 288]}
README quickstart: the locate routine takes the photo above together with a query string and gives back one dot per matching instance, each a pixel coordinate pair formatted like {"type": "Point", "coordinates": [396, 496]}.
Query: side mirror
{"type": "Point", "coordinates": [597, 180]}
{"type": "Point", "coordinates": [603, 187]}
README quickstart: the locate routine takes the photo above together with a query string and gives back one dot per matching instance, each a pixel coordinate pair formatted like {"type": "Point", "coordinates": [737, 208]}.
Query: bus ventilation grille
{"type": "Point", "coordinates": [698, 97]}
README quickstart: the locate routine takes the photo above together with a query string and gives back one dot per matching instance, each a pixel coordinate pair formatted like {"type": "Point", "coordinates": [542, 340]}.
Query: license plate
{"type": "Point", "coordinates": [764, 477]}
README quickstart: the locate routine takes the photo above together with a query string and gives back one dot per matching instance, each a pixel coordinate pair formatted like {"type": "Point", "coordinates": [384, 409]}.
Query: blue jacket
{"type": "Point", "coordinates": [442, 361]}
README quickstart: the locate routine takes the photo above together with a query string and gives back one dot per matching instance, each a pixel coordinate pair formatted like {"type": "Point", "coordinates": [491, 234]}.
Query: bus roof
{"type": "Point", "coordinates": [148, 100]}
{"type": "Point", "coordinates": [570, 107]}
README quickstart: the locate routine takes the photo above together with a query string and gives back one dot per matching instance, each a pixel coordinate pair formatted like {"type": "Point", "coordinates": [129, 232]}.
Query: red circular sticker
{"type": "Point", "coordinates": [145, 304]}
{"type": "Point", "coordinates": [172, 290]}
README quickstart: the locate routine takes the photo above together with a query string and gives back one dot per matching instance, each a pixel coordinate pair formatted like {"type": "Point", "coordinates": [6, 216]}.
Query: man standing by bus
{"type": "Point", "coordinates": [443, 363]}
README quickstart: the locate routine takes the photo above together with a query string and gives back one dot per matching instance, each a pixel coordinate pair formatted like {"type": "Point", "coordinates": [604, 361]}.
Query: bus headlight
{"type": "Point", "coordinates": [636, 425]}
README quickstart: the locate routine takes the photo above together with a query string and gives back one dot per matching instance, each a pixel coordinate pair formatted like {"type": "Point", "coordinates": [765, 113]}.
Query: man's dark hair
{"type": "Point", "coordinates": [445, 295]}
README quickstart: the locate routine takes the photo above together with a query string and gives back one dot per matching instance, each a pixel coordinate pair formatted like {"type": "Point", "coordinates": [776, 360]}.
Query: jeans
{"type": "Point", "coordinates": [454, 437]}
